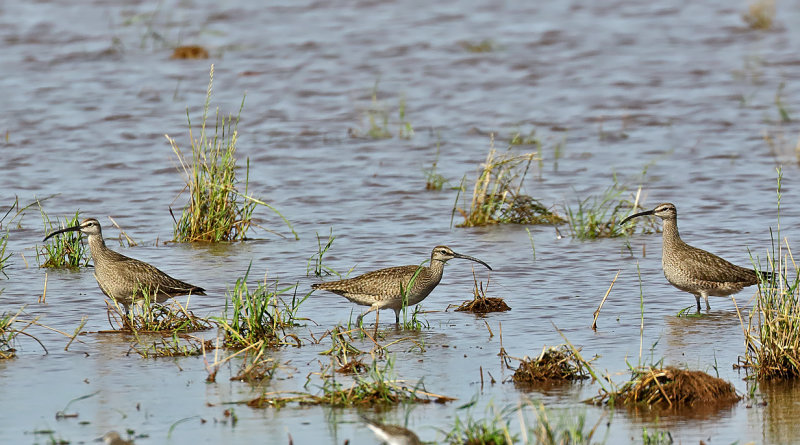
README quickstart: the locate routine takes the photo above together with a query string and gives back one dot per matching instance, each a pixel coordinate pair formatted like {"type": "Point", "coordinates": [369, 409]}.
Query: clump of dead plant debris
{"type": "Point", "coordinates": [671, 388]}
{"type": "Point", "coordinates": [481, 304]}
{"type": "Point", "coordinates": [554, 364]}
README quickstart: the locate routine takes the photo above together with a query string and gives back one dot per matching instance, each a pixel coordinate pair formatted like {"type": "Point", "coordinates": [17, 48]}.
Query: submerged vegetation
{"type": "Point", "coordinates": [10, 330]}
{"type": "Point", "coordinates": [497, 196]}
{"type": "Point", "coordinates": [217, 209]}
{"type": "Point", "coordinates": [65, 251]}
{"type": "Point", "coordinates": [260, 316]}
{"type": "Point", "coordinates": [3, 256]}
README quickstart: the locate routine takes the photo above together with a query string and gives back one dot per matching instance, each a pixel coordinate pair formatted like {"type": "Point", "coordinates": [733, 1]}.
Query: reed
{"type": "Point", "coordinates": [66, 251]}
{"type": "Point", "coordinates": [218, 210]}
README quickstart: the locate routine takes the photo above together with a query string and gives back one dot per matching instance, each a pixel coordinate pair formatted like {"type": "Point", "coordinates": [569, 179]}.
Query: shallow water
{"type": "Point", "coordinates": [683, 91]}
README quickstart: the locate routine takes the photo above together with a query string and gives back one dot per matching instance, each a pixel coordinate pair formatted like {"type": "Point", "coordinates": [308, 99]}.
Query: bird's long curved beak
{"type": "Point", "coordinates": [467, 257]}
{"type": "Point", "coordinates": [648, 212]}
{"type": "Point", "coordinates": [68, 229]}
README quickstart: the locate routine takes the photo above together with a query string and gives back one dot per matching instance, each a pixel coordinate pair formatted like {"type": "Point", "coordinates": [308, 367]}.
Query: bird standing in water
{"type": "Point", "coordinates": [384, 288]}
{"type": "Point", "coordinates": [694, 270]}
{"type": "Point", "coordinates": [127, 280]}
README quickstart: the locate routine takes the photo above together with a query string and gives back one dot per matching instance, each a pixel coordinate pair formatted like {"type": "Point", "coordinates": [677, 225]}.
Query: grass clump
{"type": "Point", "coordinates": [772, 335]}
{"type": "Point", "coordinates": [260, 316]}
{"type": "Point", "coordinates": [567, 429]}
{"type": "Point", "coordinates": [147, 316]}
{"type": "Point", "coordinates": [434, 180]}
{"type": "Point", "coordinates": [672, 388]}
{"type": "Point", "coordinates": [66, 251]}
{"type": "Point", "coordinates": [377, 387]}
{"type": "Point", "coordinates": [484, 46]}
{"type": "Point", "coordinates": [598, 217]}
{"type": "Point", "coordinates": [344, 354]}
{"type": "Point", "coordinates": [553, 365]}
{"type": "Point", "coordinates": [9, 331]}
{"type": "Point", "coordinates": [760, 14]}
{"type": "Point", "coordinates": [315, 261]}
{"type": "Point", "coordinates": [493, 430]}
{"type": "Point", "coordinates": [378, 120]}
{"type": "Point", "coordinates": [217, 210]}
{"type": "Point", "coordinates": [497, 197]}
{"type": "Point", "coordinates": [481, 304]}
{"type": "Point", "coordinates": [174, 346]}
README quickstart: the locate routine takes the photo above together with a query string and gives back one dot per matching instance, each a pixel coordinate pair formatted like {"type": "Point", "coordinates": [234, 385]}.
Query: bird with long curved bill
{"type": "Point", "coordinates": [694, 270]}
{"type": "Point", "coordinates": [124, 279]}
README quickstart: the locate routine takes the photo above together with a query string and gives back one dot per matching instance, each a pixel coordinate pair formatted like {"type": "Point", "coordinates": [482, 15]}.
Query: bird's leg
{"type": "Point", "coordinates": [374, 307]}
{"type": "Point", "coordinates": [705, 297]}
{"type": "Point", "coordinates": [397, 316]}
{"type": "Point", "coordinates": [697, 297]}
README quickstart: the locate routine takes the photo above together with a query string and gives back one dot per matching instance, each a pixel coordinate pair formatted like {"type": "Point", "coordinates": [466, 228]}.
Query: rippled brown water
{"type": "Point", "coordinates": [683, 90]}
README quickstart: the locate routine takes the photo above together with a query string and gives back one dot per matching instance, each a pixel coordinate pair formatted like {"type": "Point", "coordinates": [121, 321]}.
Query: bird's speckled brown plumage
{"type": "Point", "coordinates": [125, 279]}
{"type": "Point", "coordinates": [694, 270]}
{"type": "Point", "coordinates": [382, 289]}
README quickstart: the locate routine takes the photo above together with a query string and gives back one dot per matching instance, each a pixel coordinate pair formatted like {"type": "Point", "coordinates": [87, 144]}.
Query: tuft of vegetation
{"type": "Point", "coordinates": [598, 217]}
{"type": "Point", "coordinates": [492, 430]}
{"type": "Point", "coordinates": [377, 117]}
{"type": "Point", "coordinates": [148, 316]}
{"type": "Point", "coordinates": [3, 256]}
{"type": "Point", "coordinates": [377, 387]}
{"type": "Point", "coordinates": [480, 303]}
{"type": "Point", "coordinates": [315, 261]}
{"type": "Point", "coordinates": [760, 14]}
{"type": "Point", "coordinates": [174, 346]}
{"type": "Point", "coordinates": [433, 180]}
{"type": "Point", "coordinates": [671, 388]}
{"type": "Point", "coordinates": [260, 316]}
{"type": "Point", "coordinates": [566, 429]}
{"type": "Point", "coordinates": [484, 46]}
{"type": "Point", "coordinates": [497, 197]}
{"type": "Point", "coordinates": [10, 330]}
{"type": "Point", "coordinates": [553, 365]}
{"type": "Point", "coordinates": [257, 366]}
{"type": "Point", "coordinates": [217, 210]}
{"type": "Point", "coordinates": [342, 351]}
{"type": "Point", "coordinates": [656, 437]}
{"type": "Point", "coordinates": [65, 251]}
{"type": "Point", "coordinates": [772, 335]}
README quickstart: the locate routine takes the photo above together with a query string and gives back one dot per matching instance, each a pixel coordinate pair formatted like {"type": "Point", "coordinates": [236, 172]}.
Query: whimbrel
{"type": "Point", "coordinates": [392, 434]}
{"type": "Point", "coordinates": [127, 280]}
{"type": "Point", "coordinates": [384, 288]}
{"type": "Point", "coordinates": [694, 270]}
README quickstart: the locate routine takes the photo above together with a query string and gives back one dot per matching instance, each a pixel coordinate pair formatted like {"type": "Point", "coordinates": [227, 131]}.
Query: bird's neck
{"type": "Point", "coordinates": [671, 235]}
{"type": "Point", "coordinates": [437, 268]}
{"type": "Point", "coordinates": [97, 246]}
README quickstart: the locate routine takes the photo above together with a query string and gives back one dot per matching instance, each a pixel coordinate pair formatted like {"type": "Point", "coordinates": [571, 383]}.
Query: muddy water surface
{"type": "Point", "coordinates": [684, 92]}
